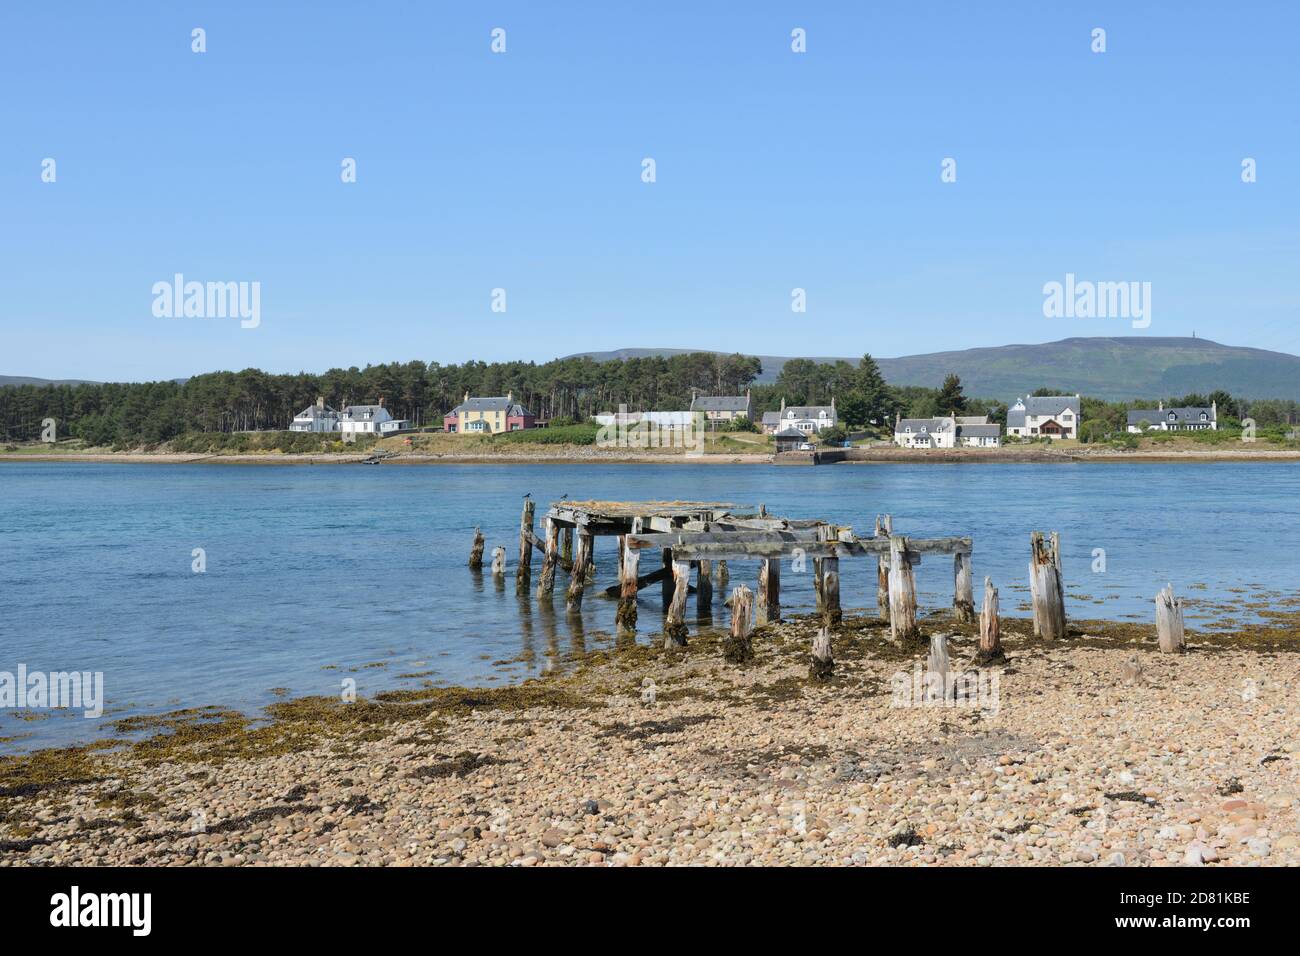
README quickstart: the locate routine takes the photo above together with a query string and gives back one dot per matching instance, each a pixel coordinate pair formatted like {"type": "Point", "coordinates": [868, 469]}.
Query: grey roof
{"type": "Point", "coordinates": [929, 424]}
{"type": "Point", "coordinates": [1015, 418]}
{"type": "Point", "coordinates": [771, 418]}
{"type": "Point", "coordinates": [498, 403]}
{"type": "Point", "coordinates": [1181, 415]}
{"type": "Point", "coordinates": [315, 411]}
{"type": "Point", "coordinates": [720, 403]}
{"type": "Point", "coordinates": [359, 411]}
{"type": "Point", "coordinates": [1050, 405]}
{"type": "Point", "coordinates": [980, 430]}
{"type": "Point", "coordinates": [808, 411]}
{"type": "Point", "coordinates": [791, 433]}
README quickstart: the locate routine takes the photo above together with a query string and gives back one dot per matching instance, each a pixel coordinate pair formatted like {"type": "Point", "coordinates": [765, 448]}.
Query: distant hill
{"type": "Point", "coordinates": [1115, 369]}
{"type": "Point", "coordinates": [24, 380]}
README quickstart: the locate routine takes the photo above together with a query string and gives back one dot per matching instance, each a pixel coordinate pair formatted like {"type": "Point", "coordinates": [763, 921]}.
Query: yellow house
{"type": "Point", "coordinates": [488, 416]}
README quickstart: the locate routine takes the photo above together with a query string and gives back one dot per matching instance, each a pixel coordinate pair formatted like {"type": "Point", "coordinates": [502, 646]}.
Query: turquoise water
{"type": "Point", "coordinates": [325, 572]}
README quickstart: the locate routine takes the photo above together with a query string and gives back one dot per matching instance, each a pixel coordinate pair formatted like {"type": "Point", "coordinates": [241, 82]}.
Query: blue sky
{"type": "Point", "coordinates": [522, 171]}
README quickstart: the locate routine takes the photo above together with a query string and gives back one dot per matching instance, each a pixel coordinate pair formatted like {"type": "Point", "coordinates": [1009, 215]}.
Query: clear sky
{"type": "Point", "coordinates": [523, 171]}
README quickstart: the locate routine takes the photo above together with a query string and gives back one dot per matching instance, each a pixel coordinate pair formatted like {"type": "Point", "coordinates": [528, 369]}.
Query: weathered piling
{"type": "Point", "coordinates": [936, 666]}
{"type": "Point", "coordinates": [675, 624]}
{"type": "Point", "coordinates": [666, 582]}
{"type": "Point", "coordinates": [902, 592]}
{"type": "Point", "coordinates": [626, 616]}
{"type": "Point", "coordinates": [822, 666]}
{"type": "Point", "coordinates": [476, 550]}
{"type": "Point", "coordinates": [769, 591]}
{"type": "Point", "coordinates": [525, 570]}
{"type": "Point", "coordinates": [832, 615]}
{"type": "Point", "coordinates": [704, 589]}
{"type": "Point", "coordinates": [1169, 622]}
{"type": "Point", "coordinates": [591, 561]}
{"type": "Point", "coordinates": [724, 577]}
{"type": "Point", "coordinates": [578, 579]}
{"type": "Point", "coordinates": [549, 559]}
{"type": "Point", "coordinates": [1046, 590]}
{"type": "Point", "coordinates": [963, 597]}
{"type": "Point", "coordinates": [884, 528]}
{"type": "Point", "coordinates": [498, 561]}
{"type": "Point", "coordinates": [739, 645]}
{"type": "Point", "coordinates": [990, 647]}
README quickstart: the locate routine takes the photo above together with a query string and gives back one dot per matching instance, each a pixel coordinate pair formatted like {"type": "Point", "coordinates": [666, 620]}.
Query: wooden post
{"type": "Point", "coordinates": [739, 646]}
{"type": "Point", "coordinates": [566, 545]}
{"type": "Point", "coordinates": [1169, 622]}
{"type": "Point", "coordinates": [547, 585]}
{"type": "Point", "coordinates": [476, 551]}
{"type": "Point", "coordinates": [963, 597]}
{"type": "Point", "coordinates": [822, 666]}
{"type": "Point", "coordinates": [1046, 590]}
{"type": "Point", "coordinates": [829, 590]}
{"type": "Point", "coordinates": [626, 616]}
{"type": "Point", "coordinates": [902, 593]}
{"type": "Point", "coordinates": [498, 561]}
{"type": "Point", "coordinates": [884, 527]}
{"type": "Point", "coordinates": [769, 591]}
{"type": "Point", "coordinates": [667, 583]}
{"type": "Point", "coordinates": [675, 625]}
{"type": "Point", "coordinates": [990, 648]}
{"type": "Point", "coordinates": [578, 579]}
{"type": "Point", "coordinates": [724, 577]}
{"type": "Point", "coordinates": [525, 570]}
{"type": "Point", "coordinates": [591, 560]}
{"type": "Point", "coordinates": [704, 589]}
{"type": "Point", "coordinates": [938, 683]}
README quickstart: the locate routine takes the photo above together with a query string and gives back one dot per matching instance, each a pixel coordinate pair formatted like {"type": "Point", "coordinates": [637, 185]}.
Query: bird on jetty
{"type": "Point", "coordinates": [564, 497]}
{"type": "Point", "coordinates": [528, 494]}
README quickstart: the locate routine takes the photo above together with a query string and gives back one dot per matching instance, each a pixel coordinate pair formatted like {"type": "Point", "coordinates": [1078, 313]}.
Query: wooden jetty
{"type": "Point", "coordinates": [700, 537]}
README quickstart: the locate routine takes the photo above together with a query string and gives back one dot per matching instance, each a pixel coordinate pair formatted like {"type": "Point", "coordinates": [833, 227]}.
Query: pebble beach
{"type": "Point", "coordinates": [645, 756]}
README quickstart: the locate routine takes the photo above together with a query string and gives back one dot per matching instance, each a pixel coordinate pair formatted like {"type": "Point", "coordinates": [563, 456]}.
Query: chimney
{"type": "Point", "coordinates": [510, 396]}
{"type": "Point", "coordinates": [467, 397]}
{"type": "Point", "coordinates": [782, 403]}
{"type": "Point", "coordinates": [832, 403]}
{"type": "Point", "coordinates": [381, 401]}
{"type": "Point", "coordinates": [320, 402]}
{"type": "Point", "coordinates": [1161, 406]}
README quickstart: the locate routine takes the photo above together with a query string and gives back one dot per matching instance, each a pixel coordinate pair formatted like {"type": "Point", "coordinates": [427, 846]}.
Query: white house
{"type": "Point", "coordinates": [316, 418]}
{"type": "Point", "coordinates": [947, 432]}
{"type": "Point", "coordinates": [394, 425]}
{"type": "Point", "coordinates": [1056, 416]}
{"type": "Point", "coordinates": [804, 418]}
{"type": "Point", "coordinates": [664, 421]}
{"type": "Point", "coordinates": [363, 419]}
{"type": "Point", "coordinates": [1190, 419]}
{"type": "Point", "coordinates": [723, 408]}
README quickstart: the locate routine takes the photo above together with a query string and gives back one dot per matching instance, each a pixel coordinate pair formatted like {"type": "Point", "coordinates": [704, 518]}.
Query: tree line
{"type": "Point", "coordinates": [149, 413]}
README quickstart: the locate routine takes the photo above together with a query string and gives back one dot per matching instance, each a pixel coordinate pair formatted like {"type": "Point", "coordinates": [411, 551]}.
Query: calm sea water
{"type": "Point", "coordinates": [325, 572]}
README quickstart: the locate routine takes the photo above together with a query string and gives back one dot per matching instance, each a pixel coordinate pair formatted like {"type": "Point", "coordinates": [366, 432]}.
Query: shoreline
{"type": "Point", "coordinates": [729, 764]}
{"type": "Point", "coordinates": [588, 456]}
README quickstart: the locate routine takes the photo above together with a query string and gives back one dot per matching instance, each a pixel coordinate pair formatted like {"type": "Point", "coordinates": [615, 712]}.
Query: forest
{"type": "Point", "coordinates": [564, 390]}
